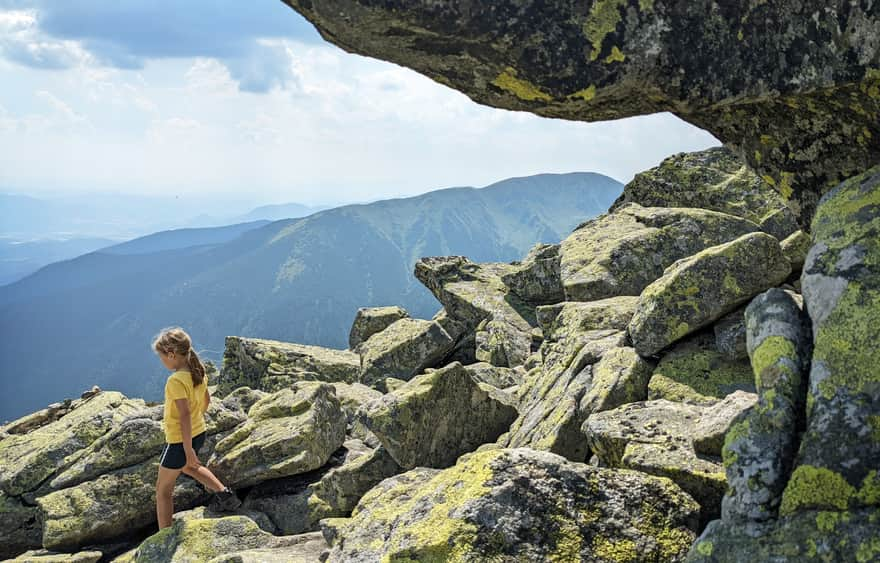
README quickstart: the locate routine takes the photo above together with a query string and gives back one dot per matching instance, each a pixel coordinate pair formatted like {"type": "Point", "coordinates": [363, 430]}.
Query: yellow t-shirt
{"type": "Point", "coordinates": [180, 386]}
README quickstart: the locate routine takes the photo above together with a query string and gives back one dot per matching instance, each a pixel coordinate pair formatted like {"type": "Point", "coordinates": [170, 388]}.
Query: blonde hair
{"type": "Point", "coordinates": [175, 339]}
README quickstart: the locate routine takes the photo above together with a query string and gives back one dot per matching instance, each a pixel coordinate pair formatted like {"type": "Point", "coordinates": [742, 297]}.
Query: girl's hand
{"type": "Point", "coordinates": [192, 460]}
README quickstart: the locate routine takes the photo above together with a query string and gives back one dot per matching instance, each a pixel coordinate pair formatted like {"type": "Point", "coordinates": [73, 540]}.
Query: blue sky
{"type": "Point", "coordinates": [225, 98]}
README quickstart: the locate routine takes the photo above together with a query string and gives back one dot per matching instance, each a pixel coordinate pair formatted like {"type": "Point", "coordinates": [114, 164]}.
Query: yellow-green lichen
{"type": "Point", "coordinates": [586, 94]}
{"type": "Point", "coordinates": [622, 550]}
{"type": "Point", "coordinates": [704, 548]}
{"type": "Point", "coordinates": [603, 19]}
{"type": "Point", "coordinates": [815, 487]}
{"type": "Point", "coordinates": [767, 356]}
{"type": "Point", "coordinates": [522, 89]}
{"type": "Point", "coordinates": [615, 56]}
{"type": "Point", "coordinates": [868, 550]}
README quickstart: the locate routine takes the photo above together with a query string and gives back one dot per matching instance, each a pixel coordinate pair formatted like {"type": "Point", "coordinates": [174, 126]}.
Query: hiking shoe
{"type": "Point", "coordinates": [225, 501]}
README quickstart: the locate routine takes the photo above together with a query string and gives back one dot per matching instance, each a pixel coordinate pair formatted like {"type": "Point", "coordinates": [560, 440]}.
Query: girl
{"type": "Point", "coordinates": [186, 400]}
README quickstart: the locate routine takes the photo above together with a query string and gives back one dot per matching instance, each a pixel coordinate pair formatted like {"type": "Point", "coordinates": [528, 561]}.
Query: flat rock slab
{"type": "Point", "coordinates": [403, 349]}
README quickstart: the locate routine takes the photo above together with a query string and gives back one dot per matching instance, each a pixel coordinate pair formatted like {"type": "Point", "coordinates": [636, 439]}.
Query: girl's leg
{"type": "Point", "coordinates": [204, 476]}
{"type": "Point", "coordinates": [164, 495]}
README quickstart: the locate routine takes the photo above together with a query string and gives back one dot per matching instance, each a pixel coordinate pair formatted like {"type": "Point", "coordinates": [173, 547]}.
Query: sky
{"type": "Point", "coordinates": [233, 99]}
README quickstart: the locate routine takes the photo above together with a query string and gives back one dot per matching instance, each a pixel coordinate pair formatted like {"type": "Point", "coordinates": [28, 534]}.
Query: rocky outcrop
{"type": "Point", "coordinates": [535, 278]}
{"type": "Point", "coordinates": [435, 417]}
{"type": "Point", "coordinates": [804, 121]}
{"type": "Point", "coordinates": [516, 504]}
{"type": "Point", "coordinates": [270, 365]}
{"type": "Point", "coordinates": [472, 293]}
{"type": "Point", "coordinates": [658, 437]}
{"type": "Point", "coordinates": [714, 179]}
{"type": "Point", "coordinates": [695, 291]}
{"type": "Point", "coordinates": [694, 371]}
{"type": "Point", "coordinates": [621, 253]}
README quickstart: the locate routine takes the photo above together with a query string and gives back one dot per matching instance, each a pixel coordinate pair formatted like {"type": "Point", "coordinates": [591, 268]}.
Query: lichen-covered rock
{"type": "Point", "coordinates": [550, 402]}
{"type": "Point", "coordinates": [730, 335]}
{"type": "Point", "coordinates": [695, 291]}
{"type": "Point", "coordinates": [288, 432]}
{"type": "Point", "coordinates": [435, 417]}
{"type": "Point", "coordinates": [351, 396]}
{"type": "Point", "coordinates": [403, 349]}
{"type": "Point", "coordinates": [708, 436]}
{"type": "Point", "coordinates": [714, 179]}
{"type": "Point", "coordinates": [370, 320]}
{"type": "Point", "coordinates": [114, 504]}
{"type": "Point", "coordinates": [839, 456]}
{"type": "Point", "coordinates": [517, 505]}
{"type": "Point", "coordinates": [472, 293]}
{"type": "Point", "coordinates": [808, 536]}
{"type": "Point", "coordinates": [536, 278]}
{"type": "Point", "coordinates": [227, 539]}
{"type": "Point", "coordinates": [759, 449]}
{"type": "Point", "coordinates": [804, 121]}
{"type": "Point", "coordinates": [656, 437]}
{"type": "Point", "coordinates": [270, 365]}
{"type": "Point", "coordinates": [621, 253]}
{"type": "Point", "coordinates": [795, 247]}
{"type": "Point", "coordinates": [26, 460]}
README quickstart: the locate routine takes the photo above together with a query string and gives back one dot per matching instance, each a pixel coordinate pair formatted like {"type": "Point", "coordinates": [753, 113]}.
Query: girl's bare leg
{"type": "Point", "coordinates": [204, 476]}
{"type": "Point", "coordinates": [165, 495]}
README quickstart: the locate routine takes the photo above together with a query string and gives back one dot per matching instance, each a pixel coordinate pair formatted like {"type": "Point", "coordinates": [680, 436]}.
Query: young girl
{"type": "Point", "coordinates": [186, 400]}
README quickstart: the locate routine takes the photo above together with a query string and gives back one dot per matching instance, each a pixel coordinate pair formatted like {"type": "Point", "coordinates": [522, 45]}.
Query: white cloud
{"type": "Point", "coordinates": [337, 127]}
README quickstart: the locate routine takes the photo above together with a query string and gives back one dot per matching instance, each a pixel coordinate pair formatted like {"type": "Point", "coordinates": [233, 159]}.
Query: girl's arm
{"type": "Point", "coordinates": [185, 423]}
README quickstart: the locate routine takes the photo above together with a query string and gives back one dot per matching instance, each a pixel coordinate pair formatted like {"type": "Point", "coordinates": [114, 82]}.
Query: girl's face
{"type": "Point", "coordinates": [170, 360]}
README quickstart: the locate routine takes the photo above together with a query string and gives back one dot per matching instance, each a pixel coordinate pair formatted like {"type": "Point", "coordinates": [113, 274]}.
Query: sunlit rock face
{"type": "Point", "coordinates": [793, 88]}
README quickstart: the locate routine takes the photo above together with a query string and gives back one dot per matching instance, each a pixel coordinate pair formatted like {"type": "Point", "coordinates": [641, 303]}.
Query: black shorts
{"type": "Point", "coordinates": [173, 456]}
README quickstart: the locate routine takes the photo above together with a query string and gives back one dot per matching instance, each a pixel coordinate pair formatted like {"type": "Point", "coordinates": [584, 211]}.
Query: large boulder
{"type": "Point", "coordinates": [621, 253]}
{"type": "Point", "coordinates": [803, 121]}
{"type": "Point", "coordinates": [695, 291]}
{"type": "Point", "coordinates": [403, 349]}
{"type": "Point", "coordinates": [437, 416]}
{"type": "Point", "coordinates": [714, 179]}
{"type": "Point", "coordinates": [839, 456]}
{"type": "Point", "coordinates": [370, 320]}
{"type": "Point", "coordinates": [516, 505]}
{"type": "Point", "coordinates": [288, 432]}
{"type": "Point", "coordinates": [270, 365]}
{"type": "Point", "coordinates": [657, 437]}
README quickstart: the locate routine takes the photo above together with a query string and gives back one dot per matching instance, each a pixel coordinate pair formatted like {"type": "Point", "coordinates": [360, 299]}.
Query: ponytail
{"type": "Point", "coordinates": [196, 368]}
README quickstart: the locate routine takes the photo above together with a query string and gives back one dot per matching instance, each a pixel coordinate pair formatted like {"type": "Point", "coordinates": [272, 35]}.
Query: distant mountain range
{"type": "Point", "coordinates": [39, 231]}
{"type": "Point", "coordinates": [89, 320]}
